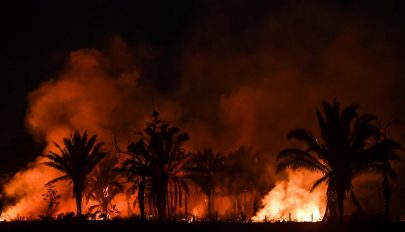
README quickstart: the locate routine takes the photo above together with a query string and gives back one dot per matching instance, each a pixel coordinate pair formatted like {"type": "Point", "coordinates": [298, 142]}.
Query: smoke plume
{"type": "Point", "coordinates": [239, 84]}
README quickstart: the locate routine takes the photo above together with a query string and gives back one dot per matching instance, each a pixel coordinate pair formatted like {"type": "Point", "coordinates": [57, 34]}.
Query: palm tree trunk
{"type": "Point", "coordinates": [340, 199]}
{"type": "Point", "coordinates": [79, 204]}
{"type": "Point", "coordinates": [387, 212]}
{"type": "Point", "coordinates": [141, 198]}
{"type": "Point", "coordinates": [387, 189]}
{"type": "Point", "coordinates": [105, 208]}
{"type": "Point", "coordinates": [185, 206]}
{"type": "Point", "coordinates": [209, 197]}
{"type": "Point", "coordinates": [213, 204]}
{"type": "Point", "coordinates": [162, 200]}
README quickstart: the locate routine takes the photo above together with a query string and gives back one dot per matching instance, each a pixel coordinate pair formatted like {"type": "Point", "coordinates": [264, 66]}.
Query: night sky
{"type": "Point", "coordinates": [37, 36]}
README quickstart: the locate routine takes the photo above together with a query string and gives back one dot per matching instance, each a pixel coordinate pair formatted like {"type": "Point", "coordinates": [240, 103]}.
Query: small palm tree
{"type": "Point", "coordinates": [209, 164]}
{"type": "Point", "coordinates": [241, 180]}
{"type": "Point", "coordinates": [137, 172]}
{"type": "Point", "coordinates": [103, 186]}
{"type": "Point", "coordinates": [76, 159]}
{"type": "Point", "coordinates": [385, 150]}
{"type": "Point", "coordinates": [342, 154]}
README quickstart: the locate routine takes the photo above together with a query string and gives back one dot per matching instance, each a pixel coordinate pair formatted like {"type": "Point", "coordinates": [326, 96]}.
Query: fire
{"type": "Point", "coordinates": [291, 200]}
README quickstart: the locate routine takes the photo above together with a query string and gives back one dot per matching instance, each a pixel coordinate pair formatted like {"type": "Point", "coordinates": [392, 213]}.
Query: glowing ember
{"type": "Point", "coordinates": [291, 200]}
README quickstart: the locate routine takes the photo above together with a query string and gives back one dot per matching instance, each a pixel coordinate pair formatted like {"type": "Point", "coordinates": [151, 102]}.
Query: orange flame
{"type": "Point", "coordinates": [291, 200]}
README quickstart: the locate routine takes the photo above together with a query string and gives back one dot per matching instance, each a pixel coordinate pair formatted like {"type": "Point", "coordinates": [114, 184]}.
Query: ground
{"type": "Point", "coordinates": [122, 226]}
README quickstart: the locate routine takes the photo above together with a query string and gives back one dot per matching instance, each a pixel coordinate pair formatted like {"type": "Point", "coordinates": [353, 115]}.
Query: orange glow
{"type": "Point", "coordinates": [291, 200]}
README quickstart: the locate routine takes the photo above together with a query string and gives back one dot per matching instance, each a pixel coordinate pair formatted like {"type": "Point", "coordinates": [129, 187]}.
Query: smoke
{"type": "Point", "coordinates": [248, 75]}
{"type": "Point", "coordinates": [86, 96]}
{"type": "Point", "coordinates": [250, 83]}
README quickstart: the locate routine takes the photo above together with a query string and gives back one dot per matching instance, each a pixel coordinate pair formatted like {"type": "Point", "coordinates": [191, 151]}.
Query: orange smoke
{"type": "Point", "coordinates": [94, 93]}
{"type": "Point", "coordinates": [291, 200]}
{"type": "Point", "coordinates": [84, 97]}
{"type": "Point", "coordinates": [224, 97]}
{"type": "Point", "coordinates": [28, 186]}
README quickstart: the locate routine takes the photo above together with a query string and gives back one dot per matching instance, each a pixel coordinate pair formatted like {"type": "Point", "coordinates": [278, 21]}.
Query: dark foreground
{"type": "Point", "coordinates": [122, 226]}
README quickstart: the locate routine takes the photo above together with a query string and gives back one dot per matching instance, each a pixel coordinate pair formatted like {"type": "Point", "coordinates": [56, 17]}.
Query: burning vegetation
{"type": "Point", "coordinates": [217, 150]}
{"type": "Point", "coordinates": [156, 176]}
{"type": "Point", "coordinates": [159, 173]}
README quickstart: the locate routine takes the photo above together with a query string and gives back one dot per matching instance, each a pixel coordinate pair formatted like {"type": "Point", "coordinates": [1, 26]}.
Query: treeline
{"type": "Point", "coordinates": [158, 171]}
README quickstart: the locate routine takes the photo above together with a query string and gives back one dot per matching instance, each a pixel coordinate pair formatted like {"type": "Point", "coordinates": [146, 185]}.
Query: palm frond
{"type": "Point", "coordinates": [65, 177]}
{"type": "Point", "coordinates": [297, 164]}
{"type": "Point", "coordinates": [320, 181]}
{"type": "Point", "coordinates": [305, 136]}
{"type": "Point", "coordinates": [300, 155]}
{"type": "Point", "coordinates": [347, 115]}
{"type": "Point", "coordinates": [375, 168]}
{"type": "Point", "coordinates": [56, 166]}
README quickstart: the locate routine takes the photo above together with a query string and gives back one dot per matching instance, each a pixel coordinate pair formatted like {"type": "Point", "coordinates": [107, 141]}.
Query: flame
{"type": "Point", "coordinates": [198, 210]}
{"type": "Point", "coordinates": [291, 200]}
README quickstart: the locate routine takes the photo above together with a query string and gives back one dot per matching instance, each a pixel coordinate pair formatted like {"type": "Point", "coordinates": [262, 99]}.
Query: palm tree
{"type": "Point", "coordinates": [385, 150]}
{"type": "Point", "coordinates": [76, 159]}
{"type": "Point", "coordinates": [103, 186]}
{"type": "Point", "coordinates": [210, 165]}
{"type": "Point", "coordinates": [342, 153]}
{"type": "Point", "coordinates": [137, 169]}
{"type": "Point", "coordinates": [158, 163]}
{"type": "Point", "coordinates": [243, 171]}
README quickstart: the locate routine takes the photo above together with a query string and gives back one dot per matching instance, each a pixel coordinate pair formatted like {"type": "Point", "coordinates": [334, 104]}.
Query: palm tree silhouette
{"type": "Point", "coordinates": [342, 154]}
{"type": "Point", "coordinates": [76, 159]}
{"type": "Point", "coordinates": [137, 169]}
{"type": "Point", "coordinates": [385, 150]}
{"type": "Point", "coordinates": [158, 163]}
{"type": "Point", "coordinates": [103, 186]}
{"type": "Point", "coordinates": [209, 164]}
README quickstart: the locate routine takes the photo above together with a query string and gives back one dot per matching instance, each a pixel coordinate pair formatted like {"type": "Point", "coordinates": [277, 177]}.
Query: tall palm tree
{"type": "Point", "coordinates": [76, 159]}
{"type": "Point", "coordinates": [342, 153]}
{"type": "Point", "coordinates": [103, 186]}
{"type": "Point", "coordinates": [159, 163]}
{"type": "Point", "coordinates": [210, 165]}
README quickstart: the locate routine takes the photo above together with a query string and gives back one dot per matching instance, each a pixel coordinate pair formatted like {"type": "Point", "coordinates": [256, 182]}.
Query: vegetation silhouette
{"type": "Point", "coordinates": [52, 198]}
{"type": "Point", "coordinates": [243, 174]}
{"type": "Point", "coordinates": [158, 171]}
{"type": "Point", "coordinates": [157, 163]}
{"type": "Point", "coordinates": [385, 150]}
{"type": "Point", "coordinates": [76, 159]}
{"type": "Point", "coordinates": [341, 153]}
{"type": "Point", "coordinates": [103, 187]}
{"type": "Point", "coordinates": [211, 166]}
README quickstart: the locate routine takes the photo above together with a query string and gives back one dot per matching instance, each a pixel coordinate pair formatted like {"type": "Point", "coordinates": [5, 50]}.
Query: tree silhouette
{"type": "Point", "coordinates": [51, 197]}
{"type": "Point", "coordinates": [158, 164]}
{"type": "Point", "coordinates": [210, 165]}
{"type": "Point", "coordinates": [385, 150]}
{"type": "Point", "coordinates": [103, 186]}
{"type": "Point", "coordinates": [242, 177]}
{"type": "Point", "coordinates": [342, 154]}
{"type": "Point", "coordinates": [76, 159]}
{"type": "Point", "coordinates": [136, 168]}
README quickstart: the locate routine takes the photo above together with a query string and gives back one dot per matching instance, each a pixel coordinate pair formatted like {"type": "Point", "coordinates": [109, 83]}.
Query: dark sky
{"type": "Point", "coordinates": [37, 36]}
